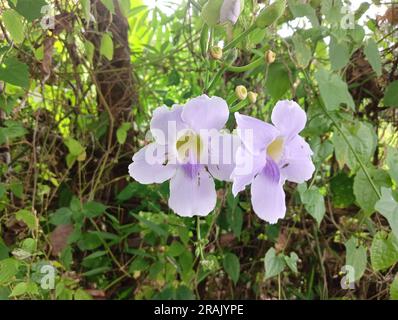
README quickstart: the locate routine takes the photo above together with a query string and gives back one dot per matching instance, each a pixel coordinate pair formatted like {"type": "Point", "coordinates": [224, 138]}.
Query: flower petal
{"type": "Point", "coordinates": [230, 11]}
{"type": "Point", "coordinates": [223, 148]}
{"type": "Point", "coordinates": [166, 123]}
{"type": "Point", "coordinates": [192, 195]}
{"type": "Point", "coordinates": [268, 197]}
{"type": "Point", "coordinates": [246, 168]}
{"type": "Point", "coordinates": [296, 164]}
{"type": "Point", "coordinates": [204, 113]}
{"type": "Point", "coordinates": [289, 118]}
{"type": "Point", "coordinates": [255, 134]}
{"type": "Point", "coordinates": [149, 165]}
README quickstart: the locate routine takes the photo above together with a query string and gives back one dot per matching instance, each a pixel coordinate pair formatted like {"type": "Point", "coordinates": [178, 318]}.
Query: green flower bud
{"type": "Point", "coordinates": [271, 13]}
{"type": "Point", "coordinates": [216, 52]}
{"type": "Point", "coordinates": [241, 92]}
{"type": "Point", "coordinates": [252, 96]}
{"type": "Point", "coordinates": [270, 57]}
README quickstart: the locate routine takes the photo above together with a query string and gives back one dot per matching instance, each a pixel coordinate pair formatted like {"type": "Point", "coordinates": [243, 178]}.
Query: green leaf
{"type": "Point", "coordinates": [356, 257]}
{"type": "Point", "coordinates": [109, 5]}
{"type": "Point", "coordinates": [8, 269]}
{"type": "Point", "coordinates": [339, 53]}
{"type": "Point", "coordinates": [74, 147]}
{"type": "Point", "coordinates": [121, 133]}
{"type": "Point", "coordinates": [89, 241]}
{"type": "Point", "coordinates": [17, 189]}
{"type": "Point", "coordinates": [12, 130]}
{"type": "Point", "coordinates": [373, 55]}
{"type": "Point", "coordinates": [232, 266]}
{"type": "Point", "coordinates": [394, 289]}
{"type": "Point", "coordinates": [362, 138]}
{"type": "Point", "coordinates": [334, 91]}
{"type": "Point", "coordinates": [271, 13]}
{"type": "Point", "coordinates": [341, 187]}
{"type": "Point", "coordinates": [81, 294]}
{"type": "Point", "coordinates": [14, 72]}
{"type": "Point", "coordinates": [300, 9]}
{"type": "Point", "coordinates": [388, 207]}
{"type": "Point", "coordinates": [93, 209]}
{"type": "Point", "coordinates": [14, 25]}
{"type": "Point", "coordinates": [125, 7]}
{"type": "Point", "coordinates": [139, 264]}
{"type": "Point", "coordinates": [278, 81]}
{"type": "Point", "coordinates": [30, 9]}
{"type": "Point", "coordinates": [302, 51]}
{"type": "Point", "coordinates": [152, 226]}
{"type": "Point", "coordinates": [384, 251]}
{"type": "Point", "coordinates": [175, 249]}
{"type": "Point", "coordinates": [314, 203]}
{"type": "Point", "coordinates": [391, 94]}
{"type": "Point", "coordinates": [291, 261]}
{"type": "Point", "coordinates": [61, 216]}
{"type": "Point", "coordinates": [106, 48]}
{"type": "Point", "coordinates": [365, 195]}
{"type": "Point", "coordinates": [211, 12]}
{"type": "Point", "coordinates": [19, 290]}
{"type": "Point", "coordinates": [273, 264]}
{"type": "Point", "coordinates": [392, 162]}
{"type": "Point", "coordinates": [27, 217]}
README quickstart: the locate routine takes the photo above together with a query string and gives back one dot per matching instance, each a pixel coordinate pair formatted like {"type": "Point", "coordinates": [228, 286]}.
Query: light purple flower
{"type": "Point", "coordinates": [186, 154]}
{"type": "Point", "coordinates": [275, 153]}
{"type": "Point", "coordinates": [230, 11]}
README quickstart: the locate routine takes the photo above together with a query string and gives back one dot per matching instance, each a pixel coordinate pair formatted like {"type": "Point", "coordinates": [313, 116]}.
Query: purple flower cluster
{"type": "Point", "coordinates": [191, 149]}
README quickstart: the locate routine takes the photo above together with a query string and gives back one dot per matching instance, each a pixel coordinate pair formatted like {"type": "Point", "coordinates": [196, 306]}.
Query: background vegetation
{"type": "Point", "coordinates": [75, 104]}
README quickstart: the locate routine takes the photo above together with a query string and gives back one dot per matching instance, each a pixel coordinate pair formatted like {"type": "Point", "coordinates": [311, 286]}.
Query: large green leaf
{"type": "Point", "coordinates": [373, 55]}
{"type": "Point", "coordinates": [302, 51]}
{"type": "Point", "coordinates": [274, 264]}
{"type": "Point", "coordinates": [14, 72]}
{"type": "Point", "coordinates": [14, 25]}
{"type": "Point", "coordinates": [388, 207]}
{"type": "Point", "coordinates": [339, 53]}
{"type": "Point", "coordinates": [277, 81]}
{"type": "Point", "coordinates": [356, 257]}
{"type": "Point", "coordinates": [341, 187]}
{"type": "Point", "coordinates": [394, 289]}
{"type": "Point", "coordinates": [313, 202]}
{"type": "Point", "coordinates": [363, 140]}
{"type": "Point", "coordinates": [392, 162]}
{"type": "Point", "coordinates": [232, 266]}
{"type": "Point", "coordinates": [391, 94]}
{"type": "Point", "coordinates": [384, 251]}
{"type": "Point", "coordinates": [30, 9]}
{"type": "Point", "coordinates": [300, 9]}
{"type": "Point", "coordinates": [365, 195]}
{"type": "Point", "coordinates": [334, 91]}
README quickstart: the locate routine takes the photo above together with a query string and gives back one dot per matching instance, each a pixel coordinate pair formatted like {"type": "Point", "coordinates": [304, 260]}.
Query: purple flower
{"type": "Point", "coordinates": [230, 11]}
{"type": "Point", "coordinates": [189, 150]}
{"type": "Point", "coordinates": [270, 155]}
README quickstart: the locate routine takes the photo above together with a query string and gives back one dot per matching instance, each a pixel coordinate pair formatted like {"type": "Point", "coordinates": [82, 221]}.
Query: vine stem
{"type": "Point", "coordinates": [199, 236]}
{"type": "Point", "coordinates": [361, 164]}
{"type": "Point", "coordinates": [256, 63]}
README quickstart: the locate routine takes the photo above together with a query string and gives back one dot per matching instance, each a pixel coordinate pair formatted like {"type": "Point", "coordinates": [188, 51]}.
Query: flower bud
{"type": "Point", "coordinates": [216, 52]}
{"type": "Point", "coordinates": [252, 96]}
{"type": "Point", "coordinates": [270, 56]}
{"type": "Point", "coordinates": [241, 92]}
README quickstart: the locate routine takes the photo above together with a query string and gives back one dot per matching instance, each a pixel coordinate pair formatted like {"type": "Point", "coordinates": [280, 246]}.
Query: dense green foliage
{"type": "Point", "coordinates": [66, 199]}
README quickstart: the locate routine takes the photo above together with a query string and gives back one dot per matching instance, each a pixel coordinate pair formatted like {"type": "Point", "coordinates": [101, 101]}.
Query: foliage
{"type": "Point", "coordinates": [70, 213]}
